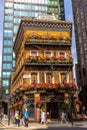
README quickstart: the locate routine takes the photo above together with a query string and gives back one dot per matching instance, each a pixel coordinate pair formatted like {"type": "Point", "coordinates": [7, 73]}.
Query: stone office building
{"type": "Point", "coordinates": [80, 22]}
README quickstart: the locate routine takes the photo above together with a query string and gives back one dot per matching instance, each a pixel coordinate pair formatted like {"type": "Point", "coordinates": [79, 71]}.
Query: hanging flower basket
{"type": "Point", "coordinates": [77, 101]}
{"type": "Point", "coordinates": [38, 104]}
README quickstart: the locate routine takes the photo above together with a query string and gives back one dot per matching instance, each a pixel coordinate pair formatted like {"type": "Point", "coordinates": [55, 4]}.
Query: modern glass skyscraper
{"type": "Point", "coordinates": [14, 10]}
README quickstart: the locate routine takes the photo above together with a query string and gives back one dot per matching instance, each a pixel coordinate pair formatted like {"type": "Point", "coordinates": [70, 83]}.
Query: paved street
{"type": "Point", "coordinates": [48, 126]}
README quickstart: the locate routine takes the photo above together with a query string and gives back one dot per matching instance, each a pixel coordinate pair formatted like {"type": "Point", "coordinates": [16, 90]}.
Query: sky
{"type": "Point", "coordinates": [68, 15]}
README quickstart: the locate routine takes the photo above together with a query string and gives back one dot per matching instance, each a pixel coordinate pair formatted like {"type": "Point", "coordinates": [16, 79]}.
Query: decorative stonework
{"type": "Point", "coordinates": [55, 24]}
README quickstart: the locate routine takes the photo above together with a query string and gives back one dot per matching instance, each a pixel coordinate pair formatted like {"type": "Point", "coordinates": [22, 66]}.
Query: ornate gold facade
{"type": "Point", "coordinates": [43, 64]}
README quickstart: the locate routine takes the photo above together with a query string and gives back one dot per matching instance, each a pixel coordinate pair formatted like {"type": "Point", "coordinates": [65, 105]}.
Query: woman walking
{"type": "Point", "coordinates": [42, 117]}
{"type": "Point", "coordinates": [17, 118]}
{"type": "Point", "coordinates": [26, 117]}
{"type": "Point", "coordinates": [63, 119]}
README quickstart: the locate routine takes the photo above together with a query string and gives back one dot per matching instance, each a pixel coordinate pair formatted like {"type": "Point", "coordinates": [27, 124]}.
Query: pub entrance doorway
{"type": "Point", "coordinates": [52, 110]}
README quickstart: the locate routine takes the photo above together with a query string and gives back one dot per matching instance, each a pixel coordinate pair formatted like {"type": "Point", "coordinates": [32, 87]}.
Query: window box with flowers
{"type": "Point", "coordinates": [34, 58]}
{"type": "Point", "coordinates": [52, 59]}
{"type": "Point", "coordinates": [62, 59]}
{"type": "Point", "coordinates": [59, 86]}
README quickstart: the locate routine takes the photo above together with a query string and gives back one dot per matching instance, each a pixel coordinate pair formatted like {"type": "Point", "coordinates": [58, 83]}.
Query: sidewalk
{"type": "Point", "coordinates": [36, 125]}
{"type": "Point", "coordinates": [32, 125]}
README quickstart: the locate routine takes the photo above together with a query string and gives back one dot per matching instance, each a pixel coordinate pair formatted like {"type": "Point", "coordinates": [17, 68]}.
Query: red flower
{"type": "Point", "coordinates": [47, 58]}
{"type": "Point", "coordinates": [78, 101]}
{"type": "Point", "coordinates": [73, 85]}
{"type": "Point", "coordinates": [38, 57]}
{"type": "Point", "coordinates": [31, 57]}
{"type": "Point", "coordinates": [54, 58]}
{"type": "Point", "coordinates": [66, 85]}
{"type": "Point", "coordinates": [62, 58]}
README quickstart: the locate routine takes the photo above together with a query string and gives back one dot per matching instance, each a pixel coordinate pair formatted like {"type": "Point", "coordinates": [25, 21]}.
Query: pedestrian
{"type": "Point", "coordinates": [17, 118]}
{"type": "Point", "coordinates": [39, 120]}
{"type": "Point", "coordinates": [22, 119]}
{"type": "Point", "coordinates": [42, 116]}
{"type": "Point", "coordinates": [1, 115]}
{"type": "Point", "coordinates": [26, 117]}
{"type": "Point", "coordinates": [63, 119]}
{"type": "Point", "coordinates": [68, 116]}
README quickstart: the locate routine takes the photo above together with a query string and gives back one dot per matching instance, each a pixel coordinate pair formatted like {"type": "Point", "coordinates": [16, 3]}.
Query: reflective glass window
{"type": "Point", "coordinates": [57, 16]}
{"type": "Point", "coordinates": [33, 7]}
{"type": "Point", "coordinates": [8, 11]}
{"type": "Point", "coordinates": [7, 33]}
{"type": "Point", "coordinates": [22, 6]}
{"type": "Point", "coordinates": [43, 1]}
{"type": "Point", "coordinates": [15, 29]}
{"type": "Point", "coordinates": [17, 13]}
{"type": "Point", "coordinates": [7, 50]}
{"type": "Point", "coordinates": [8, 4]}
{"type": "Point", "coordinates": [7, 58]}
{"type": "Point", "coordinates": [8, 25]}
{"type": "Point", "coordinates": [8, 17]}
{"type": "Point", "coordinates": [46, 2]}
{"type": "Point", "coordinates": [40, 8]}
{"type": "Point", "coordinates": [33, 14]}
{"type": "Point", "coordinates": [5, 83]}
{"type": "Point", "coordinates": [17, 20]}
{"type": "Point", "coordinates": [36, 7]}
{"type": "Point", "coordinates": [7, 42]}
{"type": "Point", "coordinates": [7, 66]}
{"type": "Point", "coordinates": [56, 9]}
{"type": "Point", "coordinates": [36, 14]}
{"type": "Point", "coordinates": [6, 74]}
{"type": "Point", "coordinates": [62, 9]}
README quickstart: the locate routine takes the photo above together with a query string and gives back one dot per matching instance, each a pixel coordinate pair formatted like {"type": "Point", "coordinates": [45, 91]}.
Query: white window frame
{"type": "Point", "coordinates": [63, 52]}
{"type": "Point", "coordinates": [45, 76]}
{"type": "Point", "coordinates": [48, 51]}
{"type": "Point", "coordinates": [67, 76]}
{"type": "Point", "coordinates": [38, 80]}
{"type": "Point", "coordinates": [33, 51]}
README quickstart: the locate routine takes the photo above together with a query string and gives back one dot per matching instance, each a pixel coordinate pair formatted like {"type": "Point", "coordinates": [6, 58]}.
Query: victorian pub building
{"type": "Point", "coordinates": [43, 72]}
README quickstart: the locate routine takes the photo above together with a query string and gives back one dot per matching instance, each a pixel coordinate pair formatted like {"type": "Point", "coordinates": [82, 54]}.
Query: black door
{"type": "Point", "coordinates": [52, 109]}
